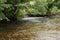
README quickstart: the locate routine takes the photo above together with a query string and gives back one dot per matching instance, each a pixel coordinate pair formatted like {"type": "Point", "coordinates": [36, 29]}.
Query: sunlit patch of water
{"type": "Point", "coordinates": [48, 35]}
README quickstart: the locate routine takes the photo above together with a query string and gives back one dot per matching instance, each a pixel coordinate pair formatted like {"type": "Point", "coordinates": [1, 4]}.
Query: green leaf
{"type": "Point", "coordinates": [3, 1]}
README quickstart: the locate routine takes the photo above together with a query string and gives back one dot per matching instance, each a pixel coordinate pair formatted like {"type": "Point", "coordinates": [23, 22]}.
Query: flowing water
{"type": "Point", "coordinates": [31, 29]}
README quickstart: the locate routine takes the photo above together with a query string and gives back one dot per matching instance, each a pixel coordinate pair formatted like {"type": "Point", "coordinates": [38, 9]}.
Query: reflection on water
{"type": "Point", "coordinates": [45, 29]}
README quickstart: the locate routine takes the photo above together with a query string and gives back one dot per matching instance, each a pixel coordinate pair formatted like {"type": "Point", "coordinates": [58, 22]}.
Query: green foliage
{"type": "Point", "coordinates": [21, 13]}
{"type": "Point", "coordinates": [20, 8]}
{"type": "Point", "coordinates": [40, 7]}
{"type": "Point", "coordinates": [54, 9]}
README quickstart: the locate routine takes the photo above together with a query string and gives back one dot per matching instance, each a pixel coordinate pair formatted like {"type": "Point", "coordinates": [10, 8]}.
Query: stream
{"type": "Point", "coordinates": [31, 28]}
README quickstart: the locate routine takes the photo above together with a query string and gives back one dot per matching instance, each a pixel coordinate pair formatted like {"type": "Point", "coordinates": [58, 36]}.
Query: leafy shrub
{"type": "Point", "coordinates": [20, 8]}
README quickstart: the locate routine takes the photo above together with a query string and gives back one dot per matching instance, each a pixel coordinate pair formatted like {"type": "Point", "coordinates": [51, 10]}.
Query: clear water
{"type": "Point", "coordinates": [42, 29]}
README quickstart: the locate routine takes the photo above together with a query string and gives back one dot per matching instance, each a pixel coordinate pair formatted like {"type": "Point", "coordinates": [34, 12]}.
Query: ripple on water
{"type": "Point", "coordinates": [48, 35]}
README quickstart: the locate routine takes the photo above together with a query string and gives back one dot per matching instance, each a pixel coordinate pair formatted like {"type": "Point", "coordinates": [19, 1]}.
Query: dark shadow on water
{"type": "Point", "coordinates": [10, 25]}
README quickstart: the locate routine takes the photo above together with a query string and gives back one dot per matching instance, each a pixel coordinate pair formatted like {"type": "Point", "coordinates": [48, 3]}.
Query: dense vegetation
{"type": "Point", "coordinates": [13, 9]}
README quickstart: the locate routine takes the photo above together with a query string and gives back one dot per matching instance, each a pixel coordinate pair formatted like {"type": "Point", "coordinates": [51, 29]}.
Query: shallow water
{"type": "Point", "coordinates": [42, 29]}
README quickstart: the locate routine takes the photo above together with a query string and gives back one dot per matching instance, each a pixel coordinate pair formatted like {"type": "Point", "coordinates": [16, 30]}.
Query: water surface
{"type": "Point", "coordinates": [36, 29]}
